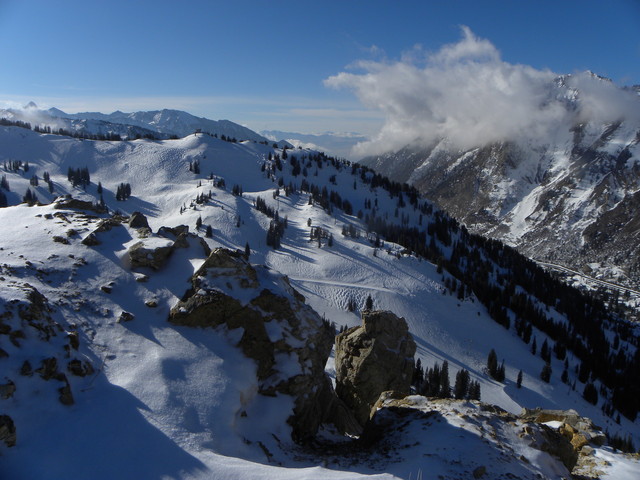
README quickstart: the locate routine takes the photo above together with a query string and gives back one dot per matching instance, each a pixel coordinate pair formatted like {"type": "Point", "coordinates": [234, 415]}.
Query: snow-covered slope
{"type": "Point", "coordinates": [163, 401]}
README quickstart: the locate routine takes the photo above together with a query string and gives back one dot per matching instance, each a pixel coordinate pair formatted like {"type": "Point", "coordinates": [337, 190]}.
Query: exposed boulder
{"type": "Point", "coordinates": [126, 317]}
{"type": "Point", "coordinates": [7, 389]}
{"type": "Point", "coordinates": [288, 341]}
{"type": "Point", "coordinates": [69, 203]}
{"type": "Point", "coordinates": [80, 368]}
{"type": "Point", "coordinates": [138, 220]}
{"type": "Point", "coordinates": [7, 431]}
{"type": "Point", "coordinates": [372, 358]}
{"type": "Point", "coordinates": [152, 253]}
{"type": "Point", "coordinates": [91, 240]}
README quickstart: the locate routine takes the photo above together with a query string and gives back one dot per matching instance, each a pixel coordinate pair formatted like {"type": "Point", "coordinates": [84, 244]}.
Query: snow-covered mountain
{"type": "Point", "coordinates": [159, 123]}
{"type": "Point", "coordinates": [568, 196]}
{"type": "Point", "coordinates": [130, 395]}
{"type": "Point", "coordinates": [334, 144]}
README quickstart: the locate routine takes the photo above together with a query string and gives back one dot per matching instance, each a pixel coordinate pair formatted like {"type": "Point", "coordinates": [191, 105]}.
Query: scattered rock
{"type": "Point", "coordinates": [141, 277]}
{"type": "Point", "coordinates": [126, 317]}
{"type": "Point", "coordinates": [91, 240]}
{"type": "Point", "coordinates": [80, 369]}
{"type": "Point", "coordinates": [151, 303]}
{"type": "Point", "coordinates": [7, 390]}
{"type": "Point", "coordinates": [138, 220]}
{"type": "Point", "coordinates": [48, 368]}
{"type": "Point", "coordinates": [26, 369]}
{"type": "Point", "coordinates": [60, 239]}
{"type": "Point", "coordinates": [480, 471]}
{"type": "Point", "coordinates": [65, 396]}
{"type": "Point", "coordinates": [3, 353]}
{"type": "Point", "coordinates": [372, 358]}
{"type": "Point", "coordinates": [7, 431]}
{"type": "Point", "coordinates": [74, 340]}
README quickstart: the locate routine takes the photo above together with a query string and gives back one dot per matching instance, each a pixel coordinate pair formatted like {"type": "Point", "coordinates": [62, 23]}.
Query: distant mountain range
{"type": "Point", "coordinates": [158, 123]}
{"type": "Point", "coordinates": [336, 144]}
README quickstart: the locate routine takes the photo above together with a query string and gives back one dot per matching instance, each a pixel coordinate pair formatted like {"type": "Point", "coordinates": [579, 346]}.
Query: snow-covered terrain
{"type": "Point", "coordinates": [163, 401]}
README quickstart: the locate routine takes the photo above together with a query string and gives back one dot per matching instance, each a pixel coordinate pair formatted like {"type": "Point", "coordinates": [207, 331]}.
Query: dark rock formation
{"type": "Point", "coordinates": [138, 220]}
{"type": "Point", "coordinates": [150, 254]}
{"type": "Point", "coordinates": [372, 358]}
{"type": "Point", "coordinates": [288, 341]}
{"type": "Point", "coordinates": [7, 431]}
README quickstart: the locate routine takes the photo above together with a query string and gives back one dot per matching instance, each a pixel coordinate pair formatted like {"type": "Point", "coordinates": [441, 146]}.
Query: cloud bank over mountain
{"type": "Point", "coordinates": [466, 93]}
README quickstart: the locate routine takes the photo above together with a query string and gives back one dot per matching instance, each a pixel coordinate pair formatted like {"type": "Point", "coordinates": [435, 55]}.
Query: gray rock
{"type": "Point", "coordinates": [371, 359]}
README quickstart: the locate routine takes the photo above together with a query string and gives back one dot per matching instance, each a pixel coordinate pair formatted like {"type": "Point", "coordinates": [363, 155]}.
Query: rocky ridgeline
{"type": "Point", "coordinates": [503, 444]}
{"type": "Point", "coordinates": [288, 340]}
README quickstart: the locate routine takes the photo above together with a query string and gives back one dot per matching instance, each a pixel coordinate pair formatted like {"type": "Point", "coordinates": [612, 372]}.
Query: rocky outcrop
{"type": "Point", "coordinates": [372, 358]}
{"type": "Point", "coordinates": [151, 254]}
{"type": "Point", "coordinates": [69, 203]}
{"type": "Point", "coordinates": [579, 431]}
{"type": "Point", "coordinates": [288, 341]}
{"type": "Point", "coordinates": [453, 428]}
{"type": "Point", "coordinates": [153, 251]}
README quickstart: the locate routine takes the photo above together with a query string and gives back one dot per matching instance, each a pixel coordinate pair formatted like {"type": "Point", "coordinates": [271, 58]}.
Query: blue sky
{"type": "Point", "coordinates": [264, 63]}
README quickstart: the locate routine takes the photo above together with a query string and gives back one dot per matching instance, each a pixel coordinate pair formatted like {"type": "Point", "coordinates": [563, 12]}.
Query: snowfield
{"type": "Point", "coordinates": [178, 402]}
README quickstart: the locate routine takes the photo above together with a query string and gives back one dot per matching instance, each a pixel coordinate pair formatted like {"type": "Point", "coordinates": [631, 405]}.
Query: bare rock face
{"type": "Point", "coordinates": [372, 358]}
{"type": "Point", "coordinates": [287, 339]}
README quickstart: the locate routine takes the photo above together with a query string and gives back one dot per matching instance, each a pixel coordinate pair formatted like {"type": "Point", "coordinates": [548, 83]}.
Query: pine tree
{"type": "Point", "coordinates": [461, 387]}
{"type": "Point", "coordinates": [519, 380]}
{"type": "Point", "coordinates": [199, 222]}
{"type": "Point", "coordinates": [209, 231]}
{"type": "Point", "coordinates": [247, 251]}
{"type": "Point", "coordinates": [445, 385]}
{"type": "Point", "coordinates": [590, 394]}
{"type": "Point", "coordinates": [368, 305]}
{"type": "Point", "coordinates": [545, 374]}
{"type": "Point", "coordinates": [492, 363]}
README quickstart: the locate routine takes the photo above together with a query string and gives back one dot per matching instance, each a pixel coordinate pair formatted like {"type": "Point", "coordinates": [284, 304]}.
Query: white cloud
{"type": "Point", "coordinates": [468, 94]}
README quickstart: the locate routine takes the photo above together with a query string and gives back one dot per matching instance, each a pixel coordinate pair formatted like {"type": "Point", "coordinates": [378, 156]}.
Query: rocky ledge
{"type": "Point", "coordinates": [287, 339]}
